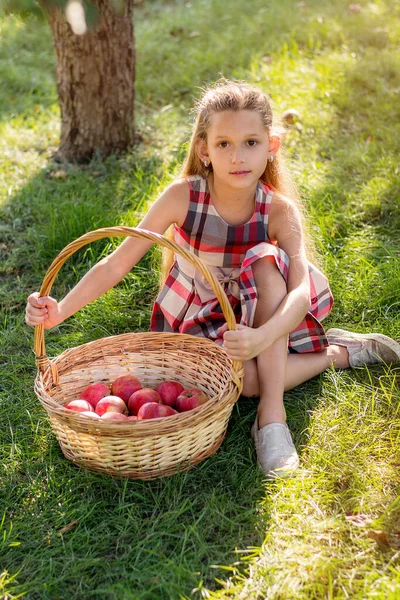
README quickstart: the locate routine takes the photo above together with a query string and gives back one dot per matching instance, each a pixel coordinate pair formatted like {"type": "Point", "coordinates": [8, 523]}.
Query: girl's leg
{"type": "Point", "coordinates": [299, 368]}
{"type": "Point", "coordinates": [272, 362]}
{"type": "Point", "coordinates": [302, 367]}
{"type": "Point", "coordinates": [276, 453]}
{"type": "Point", "coordinates": [274, 370]}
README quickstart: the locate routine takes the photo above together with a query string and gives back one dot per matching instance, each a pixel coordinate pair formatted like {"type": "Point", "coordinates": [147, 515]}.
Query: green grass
{"type": "Point", "coordinates": [219, 531]}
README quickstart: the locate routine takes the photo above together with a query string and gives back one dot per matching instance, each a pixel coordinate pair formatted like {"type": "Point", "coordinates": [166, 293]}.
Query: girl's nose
{"type": "Point", "coordinates": [237, 157]}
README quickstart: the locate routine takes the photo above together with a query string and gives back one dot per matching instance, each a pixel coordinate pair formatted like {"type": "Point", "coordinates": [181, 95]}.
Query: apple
{"type": "Point", "coordinates": [141, 397]}
{"type": "Point", "coordinates": [88, 413]}
{"type": "Point", "coordinates": [114, 416]}
{"type": "Point", "coordinates": [79, 405]}
{"type": "Point", "coordinates": [189, 399]}
{"type": "Point", "coordinates": [154, 410]}
{"type": "Point", "coordinates": [95, 392]}
{"type": "Point", "coordinates": [132, 418]}
{"type": "Point", "coordinates": [169, 391]}
{"type": "Point", "coordinates": [111, 404]}
{"type": "Point", "coordinates": [125, 385]}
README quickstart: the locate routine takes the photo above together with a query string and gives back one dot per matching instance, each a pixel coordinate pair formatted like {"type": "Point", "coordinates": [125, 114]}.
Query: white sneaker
{"type": "Point", "coordinates": [366, 348]}
{"type": "Point", "coordinates": [276, 453]}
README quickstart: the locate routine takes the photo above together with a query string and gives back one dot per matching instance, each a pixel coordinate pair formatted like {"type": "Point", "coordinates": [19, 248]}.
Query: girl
{"type": "Point", "coordinates": [234, 208]}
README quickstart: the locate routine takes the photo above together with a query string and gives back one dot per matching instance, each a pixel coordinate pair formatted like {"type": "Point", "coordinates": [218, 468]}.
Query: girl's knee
{"type": "Point", "coordinates": [266, 274]}
{"type": "Point", "coordinates": [265, 267]}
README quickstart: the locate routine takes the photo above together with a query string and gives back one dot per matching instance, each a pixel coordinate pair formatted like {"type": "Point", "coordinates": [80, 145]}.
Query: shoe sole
{"type": "Point", "coordinates": [383, 339]}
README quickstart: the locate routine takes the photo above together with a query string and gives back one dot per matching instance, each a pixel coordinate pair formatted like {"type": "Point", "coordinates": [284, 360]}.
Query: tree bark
{"type": "Point", "coordinates": [95, 80]}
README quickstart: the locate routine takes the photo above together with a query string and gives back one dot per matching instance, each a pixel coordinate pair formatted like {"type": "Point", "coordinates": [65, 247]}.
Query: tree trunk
{"type": "Point", "coordinates": [95, 80]}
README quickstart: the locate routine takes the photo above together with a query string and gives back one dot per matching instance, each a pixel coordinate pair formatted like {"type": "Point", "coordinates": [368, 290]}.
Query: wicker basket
{"type": "Point", "coordinates": [139, 449]}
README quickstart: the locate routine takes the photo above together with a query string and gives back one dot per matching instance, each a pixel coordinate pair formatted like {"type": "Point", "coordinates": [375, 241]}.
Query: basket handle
{"type": "Point", "coordinates": [39, 344]}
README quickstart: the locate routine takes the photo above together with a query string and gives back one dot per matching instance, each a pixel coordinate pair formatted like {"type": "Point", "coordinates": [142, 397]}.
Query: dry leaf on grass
{"type": "Point", "coordinates": [68, 527]}
{"type": "Point", "coordinates": [379, 537]}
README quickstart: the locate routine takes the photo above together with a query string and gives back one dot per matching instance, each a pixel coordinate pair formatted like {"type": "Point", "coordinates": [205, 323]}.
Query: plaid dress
{"type": "Point", "coordinates": [187, 304]}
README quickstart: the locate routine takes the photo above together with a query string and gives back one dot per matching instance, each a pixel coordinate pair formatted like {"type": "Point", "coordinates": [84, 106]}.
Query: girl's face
{"type": "Point", "coordinates": [238, 147]}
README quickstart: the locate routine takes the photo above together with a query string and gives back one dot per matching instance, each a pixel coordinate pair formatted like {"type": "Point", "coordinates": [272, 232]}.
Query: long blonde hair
{"type": "Point", "coordinates": [226, 95]}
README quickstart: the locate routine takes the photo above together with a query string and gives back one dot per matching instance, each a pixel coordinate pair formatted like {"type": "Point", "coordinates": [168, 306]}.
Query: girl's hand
{"type": "Point", "coordinates": [244, 343]}
{"type": "Point", "coordinates": [42, 311]}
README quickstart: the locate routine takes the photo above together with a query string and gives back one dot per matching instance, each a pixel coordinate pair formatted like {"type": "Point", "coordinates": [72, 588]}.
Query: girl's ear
{"type": "Point", "coordinates": [274, 144]}
{"type": "Point", "coordinates": [201, 149]}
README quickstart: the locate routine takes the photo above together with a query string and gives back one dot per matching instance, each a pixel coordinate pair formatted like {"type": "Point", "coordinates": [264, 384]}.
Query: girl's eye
{"type": "Point", "coordinates": [222, 144]}
{"type": "Point", "coordinates": [252, 143]}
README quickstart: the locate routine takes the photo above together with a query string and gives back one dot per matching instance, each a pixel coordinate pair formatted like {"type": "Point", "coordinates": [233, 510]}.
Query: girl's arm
{"type": "Point", "coordinates": [171, 207]}
{"type": "Point", "coordinates": [285, 227]}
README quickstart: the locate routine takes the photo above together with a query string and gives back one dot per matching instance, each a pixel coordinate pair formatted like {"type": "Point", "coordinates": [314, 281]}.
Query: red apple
{"type": "Point", "coordinates": [154, 410]}
{"type": "Point", "coordinates": [141, 397]}
{"type": "Point", "coordinates": [125, 385]}
{"type": "Point", "coordinates": [132, 418]}
{"type": "Point", "coordinates": [95, 392]}
{"type": "Point", "coordinates": [111, 404]}
{"type": "Point", "coordinates": [189, 399]}
{"type": "Point", "coordinates": [79, 405]}
{"type": "Point", "coordinates": [169, 391]}
{"type": "Point", "coordinates": [87, 413]}
{"type": "Point", "coordinates": [114, 416]}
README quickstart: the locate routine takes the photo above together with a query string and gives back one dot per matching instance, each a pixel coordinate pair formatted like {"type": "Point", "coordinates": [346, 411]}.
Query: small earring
{"type": "Point", "coordinates": [271, 158]}
{"type": "Point", "coordinates": [205, 163]}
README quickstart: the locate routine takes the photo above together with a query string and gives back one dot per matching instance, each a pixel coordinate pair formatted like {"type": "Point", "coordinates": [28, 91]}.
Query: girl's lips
{"type": "Point", "coordinates": [240, 172]}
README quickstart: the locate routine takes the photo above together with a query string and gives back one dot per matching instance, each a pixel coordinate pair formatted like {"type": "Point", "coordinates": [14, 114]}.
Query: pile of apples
{"type": "Point", "coordinates": [127, 400]}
